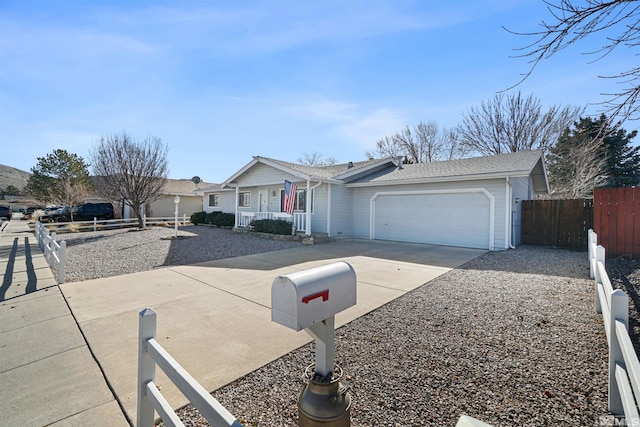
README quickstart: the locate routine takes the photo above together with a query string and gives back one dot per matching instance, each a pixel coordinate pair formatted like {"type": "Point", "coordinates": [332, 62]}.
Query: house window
{"type": "Point", "coordinates": [244, 199]}
{"type": "Point", "coordinates": [301, 201]}
{"type": "Point", "coordinates": [214, 200]}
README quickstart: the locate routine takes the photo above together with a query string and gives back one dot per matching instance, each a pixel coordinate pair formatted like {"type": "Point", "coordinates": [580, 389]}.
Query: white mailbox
{"type": "Point", "coordinates": [303, 299]}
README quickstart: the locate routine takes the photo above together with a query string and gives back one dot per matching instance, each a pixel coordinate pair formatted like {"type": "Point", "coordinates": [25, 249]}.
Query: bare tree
{"type": "Point", "coordinates": [131, 171]}
{"type": "Point", "coordinates": [572, 22]}
{"type": "Point", "coordinates": [386, 147]}
{"type": "Point", "coordinates": [314, 158]}
{"type": "Point", "coordinates": [579, 172]}
{"type": "Point", "coordinates": [510, 123]}
{"type": "Point", "coordinates": [425, 142]}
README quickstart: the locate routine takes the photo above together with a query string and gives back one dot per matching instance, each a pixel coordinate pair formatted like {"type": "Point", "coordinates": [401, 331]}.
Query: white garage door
{"type": "Point", "coordinates": [452, 219]}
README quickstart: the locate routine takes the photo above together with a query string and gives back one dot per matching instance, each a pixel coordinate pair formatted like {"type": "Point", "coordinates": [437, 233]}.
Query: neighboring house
{"type": "Point", "coordinates": [469, 203]}
{"type": "Point", "coordinates": [190, 199]}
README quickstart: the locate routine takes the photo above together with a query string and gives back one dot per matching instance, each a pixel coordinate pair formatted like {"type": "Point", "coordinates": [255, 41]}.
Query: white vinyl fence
{"type": "Point", "coordinates": [54, 252]}
{"type": "Point", "coordinates": [150, 354]}
{"type": "Point", "coordinates": [103, 224]}
{"type": "Point", "coordinates": [624, 368]}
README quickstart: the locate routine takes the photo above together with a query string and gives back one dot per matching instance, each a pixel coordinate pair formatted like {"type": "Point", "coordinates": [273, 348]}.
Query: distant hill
{"type": "Point", "coordinates": [13, 176]}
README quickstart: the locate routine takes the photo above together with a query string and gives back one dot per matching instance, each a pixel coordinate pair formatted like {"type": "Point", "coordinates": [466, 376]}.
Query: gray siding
{"type": "Point", "coordinates": [227, 202]}
{"type": "Point", "coordinates": [361, 199]}
{"type": "Point", "coordinates": [319, 213]}
{"type": "Point", "coordinates": [341, 211]}
{"type": "Point", "coordinates": [263, 175]}
{"type": "Point", "coordinates": [520, 190]}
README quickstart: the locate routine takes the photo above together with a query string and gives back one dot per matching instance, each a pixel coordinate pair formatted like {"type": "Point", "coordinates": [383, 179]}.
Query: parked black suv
{"type": "Point", "coordinates": [88, 211]}
{"type": "Point", "coordinates": [6, 212]}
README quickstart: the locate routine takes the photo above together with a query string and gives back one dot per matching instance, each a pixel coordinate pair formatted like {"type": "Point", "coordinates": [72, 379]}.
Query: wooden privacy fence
{"type": "Point", "coordinates": [615, 222]}
{"type": "Point", "coordinates": [559, 223]}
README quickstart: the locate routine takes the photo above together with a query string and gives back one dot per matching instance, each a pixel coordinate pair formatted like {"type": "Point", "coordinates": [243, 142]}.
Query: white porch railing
{"type": "Point", "coordinates": [299, 219]}
{"type": "Point", "coordinates": [624, 368]}
{"type": "Point", "coordinates": [150, 354]}
{"type": "Point", "coordinates": [54, 252]}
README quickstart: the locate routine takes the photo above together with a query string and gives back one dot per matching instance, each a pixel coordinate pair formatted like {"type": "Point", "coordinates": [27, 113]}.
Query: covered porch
{"type": "Point", "coordinates": [298, 219]}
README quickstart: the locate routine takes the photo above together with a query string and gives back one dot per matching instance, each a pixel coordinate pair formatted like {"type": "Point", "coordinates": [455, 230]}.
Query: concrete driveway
{"type": "Point", "coordinates": [214, 318]}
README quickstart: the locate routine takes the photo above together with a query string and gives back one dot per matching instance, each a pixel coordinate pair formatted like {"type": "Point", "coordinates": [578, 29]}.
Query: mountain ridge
{"type": "Point", "coordinates": [13, 176]}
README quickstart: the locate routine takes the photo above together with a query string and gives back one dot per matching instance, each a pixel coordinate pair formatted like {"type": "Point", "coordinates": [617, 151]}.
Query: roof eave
{"type": "Point", "coordinates": [374, 165]}
{"type": "Point", "coordinates": [457, 178]}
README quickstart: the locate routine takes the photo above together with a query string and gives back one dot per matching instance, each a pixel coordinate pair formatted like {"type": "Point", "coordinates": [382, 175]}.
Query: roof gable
{"type": "Point", "coordinates": [522, 163]}
{"type": "Point", "coordinates": [332, 173]}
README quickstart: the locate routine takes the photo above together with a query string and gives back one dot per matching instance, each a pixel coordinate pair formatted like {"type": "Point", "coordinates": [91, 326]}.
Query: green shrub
{"type": "Point", "coordinates": [225, 220]}
{"type": "Point", "coordinates": [272, 226]}
{"type": "Point", "coordinates": [211, 216]}
{"type": "Point", "coordinates": [198, 218]}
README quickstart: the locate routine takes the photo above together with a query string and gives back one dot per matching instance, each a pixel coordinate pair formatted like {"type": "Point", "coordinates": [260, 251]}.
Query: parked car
{"type": "Point", "coordinates": [6, 212]}
{"type": "Point", "coordinates": [88, 211]}
{"type": "Point", "coordinates": [62, 214]}
{"type": "Point", "coordinates": [31, 209]}
{"type": "Point", "coordinates": [28, 213]}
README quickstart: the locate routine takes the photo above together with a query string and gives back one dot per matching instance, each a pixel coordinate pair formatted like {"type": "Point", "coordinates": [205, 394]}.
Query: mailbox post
{"type": "Point", "coordinates": [309, 300]}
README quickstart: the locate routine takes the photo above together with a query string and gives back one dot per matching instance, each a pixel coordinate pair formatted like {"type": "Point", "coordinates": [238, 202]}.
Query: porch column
{"type": "Point", "coordinates": [308, 208]}
{"type": "Point", "coordinates": [237, 201]}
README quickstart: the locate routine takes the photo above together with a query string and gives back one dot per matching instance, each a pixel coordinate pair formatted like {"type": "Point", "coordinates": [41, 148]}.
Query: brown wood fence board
{"type": "Point", "coordinates": [635, 232]}
{"type": "Point", "coordinates": [625, 215]}
{"type": "Point", "coordinates": [616, 222]}
{"type": "Point", "coordinates": [560, 223]}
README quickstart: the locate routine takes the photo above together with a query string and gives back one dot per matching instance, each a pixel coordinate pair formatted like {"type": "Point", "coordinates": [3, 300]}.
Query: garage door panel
{"type": "Point", "coordinates": [455, 219]}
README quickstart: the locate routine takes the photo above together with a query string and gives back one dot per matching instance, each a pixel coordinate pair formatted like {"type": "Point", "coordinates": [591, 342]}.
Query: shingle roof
{"type": "Point", "coordinates": [327, 172]}
{"type": "Point", "coordinates": [522, 162]}
{"type": "Point", "coordinates": [183, 186]}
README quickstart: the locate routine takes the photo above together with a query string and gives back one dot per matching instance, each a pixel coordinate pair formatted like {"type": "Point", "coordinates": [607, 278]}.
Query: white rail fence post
{"type": "Point", "coordinates": [54, 253]}
{"type": "Point", "coordinates": [146, 367]}
{"type": "Point", "coordinates": [592, 242]}
{"type": "Point", "coordinates": [62, 261]}
{"type": "Point", "coordinates": [150, 354]}
{"type": "Point", "coordinates": [624, 367]}
{"type": "Point", "coordinates": [619, 312]}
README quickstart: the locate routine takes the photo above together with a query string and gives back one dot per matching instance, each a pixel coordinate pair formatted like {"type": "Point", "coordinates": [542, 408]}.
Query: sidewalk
{"type": "Point", "coordinates": [214, 318]}
{"type": "Point", "coordinates": [48, 376]}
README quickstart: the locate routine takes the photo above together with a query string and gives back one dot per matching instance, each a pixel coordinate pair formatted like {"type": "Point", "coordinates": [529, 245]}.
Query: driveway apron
{"type": "Point", "coordinates": [214, 318]}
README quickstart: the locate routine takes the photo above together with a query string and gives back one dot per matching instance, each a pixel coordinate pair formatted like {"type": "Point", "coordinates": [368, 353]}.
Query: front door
{"type": "Point", "coordinates": [264, 200]}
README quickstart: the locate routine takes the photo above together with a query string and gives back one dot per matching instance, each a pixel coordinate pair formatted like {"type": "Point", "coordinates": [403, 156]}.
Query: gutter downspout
{"type": "Point", "coordinates": [329, 209]}
{"type": "Point", "coordinates": [509, 216]}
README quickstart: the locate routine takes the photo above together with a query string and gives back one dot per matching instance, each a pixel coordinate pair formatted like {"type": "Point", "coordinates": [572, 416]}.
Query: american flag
{"type": "Point", "coordinates": [290, 190]}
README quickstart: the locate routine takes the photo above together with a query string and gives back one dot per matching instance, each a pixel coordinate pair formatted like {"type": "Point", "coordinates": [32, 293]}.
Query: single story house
{"type": "Point", "coordinates": [468, 202]}
{"type": "Point", "coordinates": [164, 206]}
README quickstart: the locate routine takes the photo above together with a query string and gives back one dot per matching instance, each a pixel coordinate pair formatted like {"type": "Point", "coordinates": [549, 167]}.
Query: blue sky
{"type": "Point", "coordinates": [220, 82]}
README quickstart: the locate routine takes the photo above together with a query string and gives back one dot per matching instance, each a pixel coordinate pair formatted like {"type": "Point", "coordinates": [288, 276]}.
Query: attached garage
{"type": "Point", "coordinates": [472, 202]}
{"type": "Point", "coordinates": [442, 217]}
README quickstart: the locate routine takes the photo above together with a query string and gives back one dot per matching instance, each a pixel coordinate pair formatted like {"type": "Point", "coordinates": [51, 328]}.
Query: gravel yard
{"type": "Point", "coordinates": [510, 338]}
{"type": "Point", "coordinates": [115, 252]}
